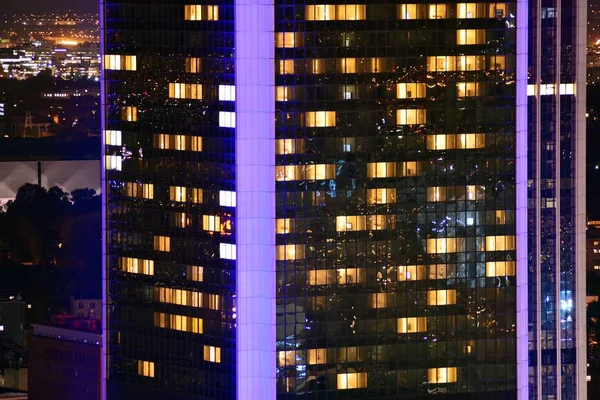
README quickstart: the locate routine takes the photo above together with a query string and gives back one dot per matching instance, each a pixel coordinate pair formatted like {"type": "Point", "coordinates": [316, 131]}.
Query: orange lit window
{"type": "Point", "coordinates": [441, 297]}
{"type": "Point", "coordinates": [352, 380]}
{"type": "Point", "coordinates": [470, 36]}
{"type": "Point", "coordinates": [146, 368]}
{"type": "Point", "coordinates": [437, 11]}
{"type": "Point", "coordinates": [381, 196]}
{"type": "Point", "coordinates": [137, 266]}
{"type": "Point", "coordinates": [177, 142]}
{"type": "Point", "coordinates": [192, 91]}
{"type": "Point", "coordinates": [193, 65]}
{"type": "Point", "coordinates": [120, 62]}
{"type": "Point", "coordinates": [284, 93]}
{"type": "Point", "coordinates": [410, 90]}
{"type": "Point", "coordinates": [162, 243]}
{"type": "Point", "coordinates": [381, 170]}
{"type": "Point", "coordinates": [411, 11]}
{"type": "Point", "coordinates": [441, 375]}
{"type": "Point", "coordinates": [195, 273]}
{"type": "Point", "coordinates": [129, 114]}
{"type": "Point", "coordinates": [183, 194]}
{"type": "Point", "coordinates": [412, 324]}
{"type": "Point", "coordinates": [212, 354]}
{"type": "Point", "coordinates": [198, 12]}
{"type": "Point", "coordinates": [441, 245]}
{"type": "Point", "coordinates": [500, 268]}
{"type": "Point", "coordinates": [411, 272]}
{"type": "Point", "coordinates": [316, 356]}
{"type": "Point", "coordinates": [289, 146]}
{"type": "Point", "coordinates": [411, 116]}
{"type": "Point", "coordinates": [178, 322]}
{"type": "Point", "coordinates": [139, 190]}
{"type": "Point", "coordinates": [290, 252]}
{"type": "Point", "coordinates": [289, 39]}
{"type": "Point", "coordinates": [500, 243]}
{"type": "Point", "coordinates": [286, 67]}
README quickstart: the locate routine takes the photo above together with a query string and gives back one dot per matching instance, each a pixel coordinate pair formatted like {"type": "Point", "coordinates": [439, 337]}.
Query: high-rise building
{"type": "Point", "coordinates": [344, 201]}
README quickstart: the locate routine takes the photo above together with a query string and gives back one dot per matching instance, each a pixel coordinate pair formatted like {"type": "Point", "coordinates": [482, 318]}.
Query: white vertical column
{"type": "Point", "coordinates": [522, 231]}
{"type": "Point", "coordinates": [255, 186]}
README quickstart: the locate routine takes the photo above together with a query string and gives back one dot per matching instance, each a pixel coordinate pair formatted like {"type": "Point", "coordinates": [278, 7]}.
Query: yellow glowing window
{"type": "Point", "coordinates": [456, 141]}
{"type": "Point", "coordinates": [376, 64]}
{"type": "Point", "coordinates": [316, 66]}
{"type": "Point", "coordinates": [140, 190]}
{"type": "Point", "coordinates": [286, 67]}
{"type": "Point", "coordinates": [348, 276]}
{"type": "Point", "coordinates": [212, 354]}
{"type": "Point", "coordinates": [284, 225]}
{"type": "Point", "coordinates": [350, 354]}
{"type": "Point", "coordinates": [186, 298]}
{"type": "Point", "coordinates": [382, 300]}
{"type": "Point", "coordinates": [211, 223]}
{"type": "Point", "coordinates": [112, 138]}
{"type": "Point", "coordinates": [137, 266]}
{"type": "Point", "coordinates": [177, 142]}
{"type": "Point", "coordinates": [289, 39]}
{"type": "Point", "coordinates": [410, 90]}
{"type": "Point", "coordinates": [381, 196]}
{"type": "Point", "coordinates": [470, 36]}
{"type": "Point", "coordinates": [146, 368]}
{"type": "Point", "coordinates": [120, 62]}
{"type": "Point", "coordinates": [441, 63]}
{"type": "Point", "coordinates": [470, 10]}
{"type": "Point", "coordinates": [441, 245]}
{"type": "Point", "coordinates": [500, 268]}
{"type": "Point", "coordinates": [321, 277]}
{"type": "Point", "coordinates": [289, 146]}
{"type": "Point", "coordinates": [352, 380]}
{"type": "Point", "coordinates": [437, 11]}
{"type": "Point", "coordinates": [497, 10]}
{"type": "Point", "coordinates": [497, 62]}
{"type": "Point", "coordinates": [342, 12]}
{"type": "Point", "coordinates": [286, 358]}
{"type": "Point", "coordinates": [181, 220]}
{"type": "Point", "coordinates": [412, 324]}
{"type": "Point", "coordinates": [441, 375]}
{"type": "Point", "coordinates": [379, 222]}
{"type": "Point", "coordinates": [469, 89]}
{"type": "Point", "coordinates": [304, 172]}
{"type": "Point", "coordinates": [319, 171]}
{"type": "Point", "coordinates": [411, 272]}
{"type": "Point", "coordinates": [411, 11]}
{"type": "Point", "coordinates": [381, 170]}
{"type": "Point", "coordinates": [320, 12]}
{"type": "Point", "coordinates": [470, 63]}
{"type": "Point", "coordinates": [113, 162]}
{"type": "Point", "coordinates": [196, 12]}
{"type": "Point", "coordinates": [192, 91]}
{"type": "Point", "coordinates": [290, 252]}
{"type": "Point", "coordinates": [162, 243]}
{"type": "Point", "coordinates": [314, 119]}
{"type": "Point", "coordinates": [500, 243]}
{"type": "Point", "coordinates": [500, 217]}
{"type": "Point", "coordinates": [346, 65]}
{"type": "Point", "coordinates": [438, 271]}
{"type": "Point", "coordinates": [195, 273]}
{"type": "Point", "coordinates": [351, 12]}
{"type": "Point", "coordinates": [411, 117]}
{"type": "Point", "coordinates": [441, 297]}
{"type": "Point", "coordinates": [316, 356]}
{"type": "Point", "coordinates": [351, 223]}
{"type": "Point", "coordinates": [193, 65]}
{"type": "Point", "coordinates": [284, 93]}
{"type": "Point", "coordinates": [436, 193]}
{"type": "Point", "coordinates": [410, 168]}
{"type": "Point", "coordinates": [129, 114]}
{"type": "Point", "coordinates": [178, 322]}
{"type": "Point", "coordinates": [183, 194]}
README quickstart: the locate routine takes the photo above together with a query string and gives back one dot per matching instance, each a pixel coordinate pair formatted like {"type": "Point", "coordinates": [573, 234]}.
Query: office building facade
{"type": "Point", "coordinates": [331, 200]}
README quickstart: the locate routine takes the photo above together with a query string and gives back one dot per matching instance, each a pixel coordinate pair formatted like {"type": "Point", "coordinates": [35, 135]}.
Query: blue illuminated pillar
{"type": "Point", "coordinates": [255, 187]}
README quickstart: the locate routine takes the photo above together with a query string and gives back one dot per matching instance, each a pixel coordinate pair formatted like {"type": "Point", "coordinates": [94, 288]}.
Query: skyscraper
{"type": "Point", "coordinates": [343, 201]}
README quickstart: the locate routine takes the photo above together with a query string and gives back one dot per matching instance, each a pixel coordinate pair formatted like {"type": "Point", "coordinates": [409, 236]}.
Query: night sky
{"type": "Point", "coordinates": [42, 6]}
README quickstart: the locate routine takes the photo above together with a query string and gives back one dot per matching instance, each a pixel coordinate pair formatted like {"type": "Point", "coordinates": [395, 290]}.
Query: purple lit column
{"type": "Point", "coordinates": [522, 219]}
{"type": "Point", "coordinates": [255, 186]}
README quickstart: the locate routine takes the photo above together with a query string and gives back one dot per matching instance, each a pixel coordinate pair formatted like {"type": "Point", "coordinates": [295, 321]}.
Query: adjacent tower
{"type": "Point", "coordinates": [342, 201]}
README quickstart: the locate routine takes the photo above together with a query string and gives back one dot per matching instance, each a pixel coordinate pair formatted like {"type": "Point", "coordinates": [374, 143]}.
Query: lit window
{"type": "Point", "coordinates": [324, 12]}
{"type": "Point", "coordinates": [410, 90]}
{"type": "Point", "coordinates": [376, 64]}
{"type": "Point", "coordinates": [227, 251]}
{"type": "Point", "coordinates": [227, 119]}
{"type": "Point", "coordinates": [316, 356]}
{"type": "Point", "coordinates": [498, 62]}
{"type": "Point", "coordinates": [441, 375]}
{"type": "Point", "coordinates": [410, 168]}
{"type": "Point", "coordinates": [183, 194]}
{"type": "Point", "coordinates": [112, 138]}
{"type": "Point", "coordinates": [320, 12]}
{"type": "Point", "coordinates": [411, 11]}
{"type": "Point", "coordinates": [120, 62]}
{"type": "Point", "coordinates": [316, 66]}
{"type": "Point", "coordinates": [470, 10]}
{"type": "Point", "coordinates": [411, 117]}
{"type": "Point", "coordinates": [162, 243]}
{"type": "Point", "coordinates": [177, 142]}
{"type": "Point", "coordinates": [439, 271]}
{"type": "Point", "coordinates": [351, 12]}
{"type": "Point", "coordinates": [381, 196]}
{"type": "Point", "coordinates": [350, 354]}
{"type": "Point", "coordinates": [456, 141]}
{"type": "Point", "coordinates": [500, 268]}
{"type": "Point", "coordinates": [212, 354]}
{"type": "Point", "coordinates": [321, 277]}
{"type": "Point", "coordinates": [441, 246]}
{"type": "Point", "coordinates": [289, 146]}
{"type": "Point", "coordinates": [226, 93]}
{"type": "Point", "coordinates": [195, 273]}
{"type": "Point", "coordinates": [211, 223]}
{"type": "Point", "coordinates": [305, 172]}
{"type": "Point", "coordinates": [140, 190]}
{"type": "Point", "coordinates": [351, 223]}
{"type": "Point", "coordinates": [286, 67]}
{"type": "Point", "coordinates": [441, 297]}
{"type": "Point", "coordinates": [412, 324]}
{"type": "Point", "coordinates": [288, 39]}
{"type": "Point", "coordinates": [186, 298]}
{"type": "Point", "coordinates": [470, 36]}
{"type": "Point", "coordinates": [114, 163]}
{"type": "Point", "coordinates": [441, 63]}
{"type": "Point", "coordinates": [500, 217]}
{"type": "Point", "coordinates": [137, 266]}
{"type": "Point", "coordinates": [178, 322]}
{"type": "Point", "coordinates": [346, 65]}
{"type": "Point", "coordinates": [284, 225]}
{"type": "Point", "coordinates": [437, 11]}
{"type": "Point", "coordinates": [350, 276]}
{"type": "Point", "coordinates": [198, 12]}
{"type": "Point", "coordinates": [382, 300]}
{"type": "Point", "coordinates": [469, 89]}
{"type": "Point", "coordinates": [381, 170]}
{"type": "Point", "coordinates": [470, 63]}
{"type": "Point", "coordinates": [283, 93]}
{"type": "Point", "coordinates": [500, 243]}
{"type": "Point", "coordinates": [129, 114]}
{"type": "Point", "coordinates": [290, 252]}
{"type": "Point", "coordinates": [227, 198]}
{"type": "Point", "coordinates": [497, 10]}
{"type": "Point", "coordinates": [180, 220]}
{"type": "Point", "coordinates": [286, 358]}
{"type": "Point", "coordinates": [352, 380]}
{"type": "Point", "coordinates": [411, 272]}
{"type": "Point", "coordinates": [193, 65]}
{"type": "Point", "coordinates": [191, 91]}
{"type": "Point", "coordinates": [146, 368]}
